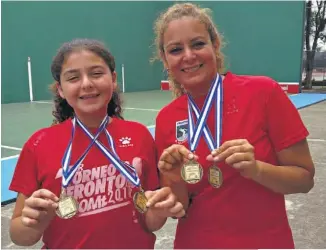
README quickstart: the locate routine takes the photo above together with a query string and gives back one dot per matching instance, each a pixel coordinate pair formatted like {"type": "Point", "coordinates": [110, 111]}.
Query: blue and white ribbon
{"type": "Point", "coordinates": [126, 169]}
{"type": "Point", "coordinates": [194, 134]}
{"type": "Point", "coordinates": [68, 173]}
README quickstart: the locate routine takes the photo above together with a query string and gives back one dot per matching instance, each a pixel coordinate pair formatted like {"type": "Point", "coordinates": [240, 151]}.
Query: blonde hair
{"type": "Point", "coordinates": [175, 12]}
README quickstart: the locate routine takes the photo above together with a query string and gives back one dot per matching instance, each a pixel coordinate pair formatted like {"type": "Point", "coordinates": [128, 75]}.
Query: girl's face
{"type": "Point", "coordinates": [189, 54]}
{"type": "Point", "coordinates": [87, 83]}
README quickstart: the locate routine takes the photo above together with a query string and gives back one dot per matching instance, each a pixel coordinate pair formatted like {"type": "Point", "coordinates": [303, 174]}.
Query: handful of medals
{"type": "Point", "coordinates": [68, 205]}
{"type": "Point", "coordinates": [192, 171]}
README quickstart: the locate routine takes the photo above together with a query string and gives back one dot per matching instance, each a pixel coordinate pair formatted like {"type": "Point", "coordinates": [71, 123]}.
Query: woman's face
{"type": "Point", "coordinates": [87, 83]}
{"type": "Point", "coordinates": [189, 54]}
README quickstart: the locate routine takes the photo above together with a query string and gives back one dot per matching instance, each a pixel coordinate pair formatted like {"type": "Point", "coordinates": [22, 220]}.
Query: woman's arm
{"type": "Point", "coordinates": [32, 216]}
{"type": "Point", "coordinates": [295, 174]}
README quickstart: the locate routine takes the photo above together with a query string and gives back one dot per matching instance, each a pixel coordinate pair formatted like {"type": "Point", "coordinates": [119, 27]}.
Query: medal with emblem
{"type": "Point", "coordinates": [67, 206]}
{"type": "Point", "coordinates": [215, 177]}
{"type": "Point", "coordinates": [140, 201]}
{"type": "Point", "coordinates": [192, 172]}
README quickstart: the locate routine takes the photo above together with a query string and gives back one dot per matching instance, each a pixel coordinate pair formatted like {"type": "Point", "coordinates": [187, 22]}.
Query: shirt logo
{"type": "Point", "coordinates": [181, 130]}
{"type": "Point", "coordinates": [125, 142]}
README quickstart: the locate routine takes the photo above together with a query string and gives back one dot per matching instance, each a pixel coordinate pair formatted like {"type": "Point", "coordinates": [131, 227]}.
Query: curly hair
{"type": "Point", "coordinates": [176, 12]}
{"type": "Point", "coordinates": [62, 110]}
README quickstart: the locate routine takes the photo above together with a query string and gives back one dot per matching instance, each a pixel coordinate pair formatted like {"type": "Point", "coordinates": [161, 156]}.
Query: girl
{"type": "Point", "coordinates": [80, 182]}
{"type": "Point", "coordinates": [245, 147]}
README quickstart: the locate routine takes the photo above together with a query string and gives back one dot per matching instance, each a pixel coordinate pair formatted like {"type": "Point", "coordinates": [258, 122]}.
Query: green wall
{"type": "Point", "coordinates": [262, 38]}
{"type": "Point", "coordinates": [37, 29]}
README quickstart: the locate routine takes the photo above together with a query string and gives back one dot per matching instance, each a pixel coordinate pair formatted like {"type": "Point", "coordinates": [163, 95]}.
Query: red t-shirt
{"type": "Point", "coordinates": [107, 217]}
{"type": "Point", "coordinates": [241, 213]}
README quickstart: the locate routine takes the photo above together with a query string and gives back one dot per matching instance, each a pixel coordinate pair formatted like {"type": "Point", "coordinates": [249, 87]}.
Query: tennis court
{"type": "Point", "coordinates": [306, 212]}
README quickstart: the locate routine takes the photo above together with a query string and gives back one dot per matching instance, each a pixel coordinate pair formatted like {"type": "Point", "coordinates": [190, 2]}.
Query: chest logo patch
{"type": "Point", "coordinates": [125, 142]}
{"type": "Point", "coordinates": [181, 130]}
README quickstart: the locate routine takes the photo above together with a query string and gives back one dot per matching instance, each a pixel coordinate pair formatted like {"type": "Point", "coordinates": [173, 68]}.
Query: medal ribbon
{"type": "Point", "coordinates": [126, 169]}
{"type": "Point", "coordinates": [194, 133]}
{"type": "Point", "coordinates": [213, 144]}
{"type": "Point", "coordinates": [67, 173]}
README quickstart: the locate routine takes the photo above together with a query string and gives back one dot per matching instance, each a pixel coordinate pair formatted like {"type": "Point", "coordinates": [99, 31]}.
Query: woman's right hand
{"type": "Point", "coordinates": [39, 209]}
{"type": "Point", "coordinates": [172, 159]}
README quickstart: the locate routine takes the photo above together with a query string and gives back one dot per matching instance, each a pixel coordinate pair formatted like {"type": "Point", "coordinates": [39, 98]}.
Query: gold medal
{"type": "Point", "coordinates": [140, 201]}
{"type": "Point", "coordinates": [215, 177]}
{"type": "Point", "coordinates": [67, 206]}
{"type": "Point", "coordinates": [192, 172]}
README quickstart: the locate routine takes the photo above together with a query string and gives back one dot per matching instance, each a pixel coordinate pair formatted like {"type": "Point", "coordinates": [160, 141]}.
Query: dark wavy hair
{"type": "Point", "coordinates": [62, 110]}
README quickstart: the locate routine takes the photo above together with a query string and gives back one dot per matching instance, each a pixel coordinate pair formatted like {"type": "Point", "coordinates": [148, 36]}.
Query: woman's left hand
{"type": "Point", "coordinates": [164, 203]}
{"type": "Point", "coordinates": [239, 154]}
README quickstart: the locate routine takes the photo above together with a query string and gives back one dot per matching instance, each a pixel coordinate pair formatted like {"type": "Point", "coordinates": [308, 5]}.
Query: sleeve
{"type": "Point", "coordinates": [284, 124]}
{"type": "Point", "coordinates": [151, 175]}
{"type": "Point", "coordinates": [25, 175]}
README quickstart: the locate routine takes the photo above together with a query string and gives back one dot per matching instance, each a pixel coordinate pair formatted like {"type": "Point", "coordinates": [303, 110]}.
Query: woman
{"type": "Point", "coordinates": [245, 147]}
{"type": "Point", "coordinates": [77, 180]}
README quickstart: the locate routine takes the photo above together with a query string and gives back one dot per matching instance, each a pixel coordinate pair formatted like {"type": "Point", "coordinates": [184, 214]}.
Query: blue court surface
{"type": "Point", "coordinates": [8, 164]}
{"type": "Point", "coordinates": [306, 99]}
{"type": "Point", "coordinates": [7, 170]}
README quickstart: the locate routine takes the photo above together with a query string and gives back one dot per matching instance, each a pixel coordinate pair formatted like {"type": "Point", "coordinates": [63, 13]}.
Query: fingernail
{"type": "Point", "coordinates": [216, 158]}
{"type": "Point", "coordinates": [191, 156]}
{"type": "Point", "coordinates": [55, 205]}
{"type": "Point", "coordinates": [148, 204]}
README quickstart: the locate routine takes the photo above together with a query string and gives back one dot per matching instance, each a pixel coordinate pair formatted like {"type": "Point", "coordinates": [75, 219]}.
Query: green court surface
{"type": "Point", "coordinates": [21, 120]}
{"type": "Point", "coordinates": [5, 152]}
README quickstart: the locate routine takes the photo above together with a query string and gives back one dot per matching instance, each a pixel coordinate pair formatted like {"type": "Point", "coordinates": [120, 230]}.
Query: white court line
{"type": "Point", "coordinates": [13, 148]}
{"type": "Point", "coordinates": [43, 102]}
{"type": "Point", "coordinates": [9, 157]}
{"type": "Point", "coordinates": [156, 110]}
{"type": "Point", "coordinates": [317, 140]}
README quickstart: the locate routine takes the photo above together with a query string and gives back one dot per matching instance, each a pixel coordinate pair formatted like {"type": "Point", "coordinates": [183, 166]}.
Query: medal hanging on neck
{"type": "Point", "coordinates": [215, 177]}
{"type": "Point", "coordinates": [192, 171]}
{"type": "Point", "coordinates": [125, 169]}
{"type": "Point", "coordinates": [68, 205]}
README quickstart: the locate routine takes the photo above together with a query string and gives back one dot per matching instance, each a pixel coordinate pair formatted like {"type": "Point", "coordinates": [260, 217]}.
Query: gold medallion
{"type": "Point", "coordinates": [140, 201]}
{"type": "Point", "coordinates": [215, 177]}
{"type": "Point", "coordinates": [67, 206]}
{"type": "Point", "coordinates": [192, 172]}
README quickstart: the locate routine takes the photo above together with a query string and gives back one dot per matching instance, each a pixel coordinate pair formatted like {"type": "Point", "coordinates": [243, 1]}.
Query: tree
{"type": "Point", "coordinates": [314, 35]}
